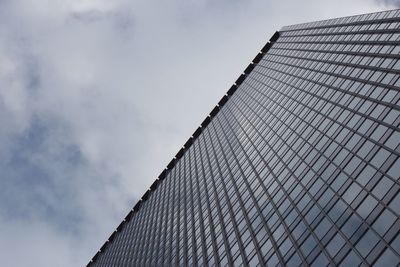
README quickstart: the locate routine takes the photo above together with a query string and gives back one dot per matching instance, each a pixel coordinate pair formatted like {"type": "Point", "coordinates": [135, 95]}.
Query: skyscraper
{"type": "Point", "coordinates": [298, 164]}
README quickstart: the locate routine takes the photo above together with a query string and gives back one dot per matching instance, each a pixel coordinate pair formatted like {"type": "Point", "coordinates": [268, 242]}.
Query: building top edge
{"type": "Point", "coordinates": [348, 20]}
{"type": "Point", "coordinates": [188, 144]}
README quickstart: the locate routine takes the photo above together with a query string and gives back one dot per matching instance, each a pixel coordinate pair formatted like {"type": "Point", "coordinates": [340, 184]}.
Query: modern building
{"type": "Point", "coordinates": [298, 164]}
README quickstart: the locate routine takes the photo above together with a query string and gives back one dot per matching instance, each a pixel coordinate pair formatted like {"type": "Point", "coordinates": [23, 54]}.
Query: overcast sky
{"type": "Point", "coordinates": [97, 96]}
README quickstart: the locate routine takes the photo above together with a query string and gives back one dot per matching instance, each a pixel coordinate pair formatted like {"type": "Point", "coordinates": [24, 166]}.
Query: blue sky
{"type": "Point", "coordinates": [96, 97]}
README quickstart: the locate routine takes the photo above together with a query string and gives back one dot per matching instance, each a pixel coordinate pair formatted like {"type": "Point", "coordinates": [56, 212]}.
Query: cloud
{"type": "Point", "coordinates": [97, 96]}
{"type": "Point", "coordinates": [390, 3]}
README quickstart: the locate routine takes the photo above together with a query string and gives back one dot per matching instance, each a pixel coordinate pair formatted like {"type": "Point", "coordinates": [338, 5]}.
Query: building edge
{"type": "Point", "coordinates": [188, 144]}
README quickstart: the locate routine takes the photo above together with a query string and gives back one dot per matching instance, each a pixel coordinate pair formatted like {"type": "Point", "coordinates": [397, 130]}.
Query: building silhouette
{"type": "Point", "coordinates": [298, 164]}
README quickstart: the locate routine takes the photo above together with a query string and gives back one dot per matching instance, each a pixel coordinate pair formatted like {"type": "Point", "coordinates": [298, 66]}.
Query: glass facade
{"type": "Point", "coordinates": [297, 165]}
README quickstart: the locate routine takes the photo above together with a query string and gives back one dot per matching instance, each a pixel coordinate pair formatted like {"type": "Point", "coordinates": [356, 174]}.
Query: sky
{"type": "Point", "coordinates": [97, 96]}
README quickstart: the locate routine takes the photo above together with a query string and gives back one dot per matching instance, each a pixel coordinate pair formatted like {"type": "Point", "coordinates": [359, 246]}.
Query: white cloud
{"type": "Point", "coordinates": [97, 96]}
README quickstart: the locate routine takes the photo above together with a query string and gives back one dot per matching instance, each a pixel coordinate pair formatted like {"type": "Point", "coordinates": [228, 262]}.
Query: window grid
{"type": "Point", "coordinates": [301, 166]}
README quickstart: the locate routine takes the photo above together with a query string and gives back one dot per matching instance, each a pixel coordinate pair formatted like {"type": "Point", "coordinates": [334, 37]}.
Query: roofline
{"type": "Point", "coordinates": [303, 25]}
{"type": "Point", "coordinates": [188, 144]}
